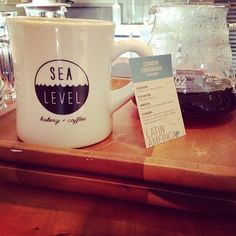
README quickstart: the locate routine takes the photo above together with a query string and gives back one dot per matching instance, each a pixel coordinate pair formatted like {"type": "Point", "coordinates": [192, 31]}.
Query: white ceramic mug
{"type": "Point", "coordinates": [63, 79]}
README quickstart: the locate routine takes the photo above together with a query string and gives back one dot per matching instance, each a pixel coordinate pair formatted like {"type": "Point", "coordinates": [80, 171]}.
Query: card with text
{"type": "Point", "coordinates": [157, 99]}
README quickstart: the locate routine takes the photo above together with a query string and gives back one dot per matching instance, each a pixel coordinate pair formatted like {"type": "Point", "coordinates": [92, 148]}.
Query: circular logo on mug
{"type": "Point", "coordinates": [61, 86]}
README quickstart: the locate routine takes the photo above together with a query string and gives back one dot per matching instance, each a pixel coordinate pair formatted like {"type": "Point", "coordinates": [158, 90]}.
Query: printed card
{"type": "Point", "coordinates": [157, 99]}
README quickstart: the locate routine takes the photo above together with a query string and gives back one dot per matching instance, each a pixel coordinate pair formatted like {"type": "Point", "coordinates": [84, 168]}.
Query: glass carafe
{"type": "Point", "coordinates": [6, 64]}
{"type": "Point", "coordinates": [197, 37]}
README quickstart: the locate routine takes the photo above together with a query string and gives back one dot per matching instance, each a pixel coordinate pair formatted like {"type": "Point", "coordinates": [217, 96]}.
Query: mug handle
{"type": "Point", "coordinates": [122, 95]}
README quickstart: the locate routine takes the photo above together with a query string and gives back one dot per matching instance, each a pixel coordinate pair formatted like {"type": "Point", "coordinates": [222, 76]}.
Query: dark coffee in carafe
{"type": "Point", "coordinates": [204, 95]}
{"type": "Point", "coordinates": [207, 104]}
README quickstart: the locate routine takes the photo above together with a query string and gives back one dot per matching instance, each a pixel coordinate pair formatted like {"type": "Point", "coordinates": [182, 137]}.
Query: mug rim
{"type": "Point", "coordinates": [59, 21]}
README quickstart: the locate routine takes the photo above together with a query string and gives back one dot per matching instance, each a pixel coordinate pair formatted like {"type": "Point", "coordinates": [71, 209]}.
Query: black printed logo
{"type": "Point", "coordinates": [61, 86]}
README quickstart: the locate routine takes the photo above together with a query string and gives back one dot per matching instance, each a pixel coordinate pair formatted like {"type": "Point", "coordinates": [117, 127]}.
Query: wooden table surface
{"type": "Point", "coordinates": [204, 158]}
{"type": "Point", "coordinates": [30, 211]}
{"type": "Point", "coordinates": [26, 210]}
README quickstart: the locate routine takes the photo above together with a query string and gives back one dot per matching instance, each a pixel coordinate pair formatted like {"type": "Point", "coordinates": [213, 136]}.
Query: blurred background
{"type": "Point", "coordinates": [131, 11]}
{"type": "Point", "coordinates": [131, 17]}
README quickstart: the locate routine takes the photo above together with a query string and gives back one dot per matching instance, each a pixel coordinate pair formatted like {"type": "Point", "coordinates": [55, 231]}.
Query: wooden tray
{"type": "Point", "coordinates": [120, 188]}
{"type": "Point", "coordinates": [205, 158]}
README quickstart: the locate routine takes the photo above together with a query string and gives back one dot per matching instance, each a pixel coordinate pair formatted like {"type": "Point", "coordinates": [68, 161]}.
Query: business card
{"type": "Point", "coordinates": [157, 99]}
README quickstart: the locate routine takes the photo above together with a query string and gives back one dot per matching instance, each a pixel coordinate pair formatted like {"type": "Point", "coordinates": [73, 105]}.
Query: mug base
{"type": "Point", "coordinates": [64, 144]}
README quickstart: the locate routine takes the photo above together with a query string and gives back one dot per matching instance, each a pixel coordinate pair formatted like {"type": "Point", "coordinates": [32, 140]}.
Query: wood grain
{"type": "Point", "coordinates": [157, 194]}
{"type": "Point", "coordinates": [204, 158]}
{"type": "Point", "coordinates": [30, 211]}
